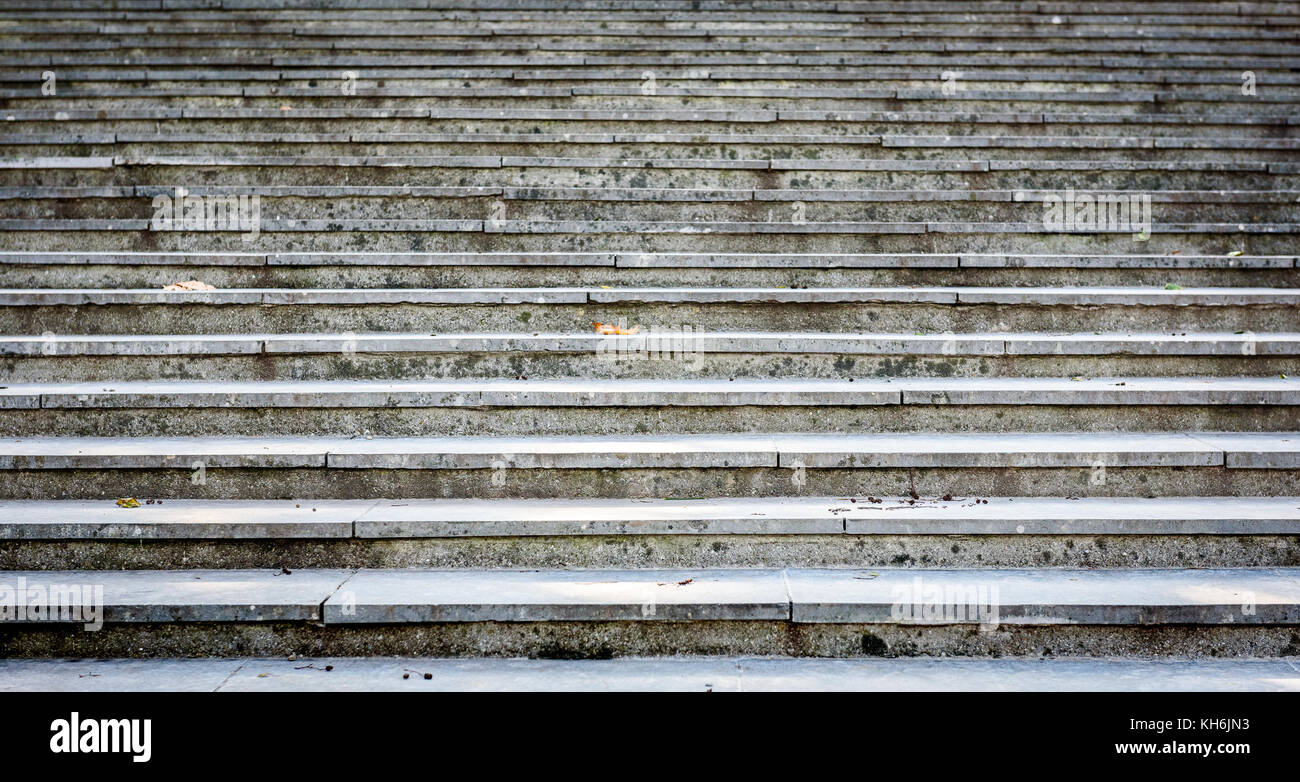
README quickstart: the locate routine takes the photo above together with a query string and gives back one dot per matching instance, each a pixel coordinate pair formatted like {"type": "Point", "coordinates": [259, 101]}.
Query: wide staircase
{"type": "Point", "coordinates": [653, 328]}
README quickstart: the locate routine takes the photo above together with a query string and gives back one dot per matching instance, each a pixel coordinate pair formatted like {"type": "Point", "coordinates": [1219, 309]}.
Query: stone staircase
{"type": "Point", "coordinates": [862, 398]}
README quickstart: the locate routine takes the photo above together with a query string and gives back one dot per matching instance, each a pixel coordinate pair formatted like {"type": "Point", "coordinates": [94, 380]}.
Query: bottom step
{"type": "Point", "coordinates": [589, 614]}
{"type": "Point", "coordinates": [679, 674]}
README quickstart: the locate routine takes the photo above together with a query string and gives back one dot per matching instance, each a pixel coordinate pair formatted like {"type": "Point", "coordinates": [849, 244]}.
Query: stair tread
{"type": "Point", "coordinates": [669, 126]}
{"type": "Point", "coordinates": [676, 674]}
{"type": "Point", "coordinates": [1020, 343]}
{"type": "Point", "coordinates": [649, 260]}
{"type": "Point", "coordinates": [685, 392]}
{"type": "Point", "coordinates": [1025, 449]}
{"type": "Point", "coordinates": [1048, 296]}
{"type": "Point", "coordinates": [367, 596]}
{"type": "Point", "coordinates": [380, 518]}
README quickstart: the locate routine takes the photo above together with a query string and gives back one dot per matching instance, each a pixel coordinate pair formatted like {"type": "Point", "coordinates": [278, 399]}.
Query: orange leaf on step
{"type": "Point", "coordinates": [610, 328]}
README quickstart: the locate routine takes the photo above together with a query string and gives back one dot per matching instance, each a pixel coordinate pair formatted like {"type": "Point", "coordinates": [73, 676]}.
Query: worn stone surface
{"type": "Point", "coordinates": [1090, 597]}
{"type": "Point", "coordinates": [685, 674]}
{"type": "Point", "coordinates": [152, 596]}
{"type": "Point", "coordinates": [815, 451]}
{"type": "Point", "coordinates": [844, 214]}
{"type": "Point", "coordinates": [180, 519]}
{"type": "Point", "coordinates": [683, 393]}
{"type": "Point", "coordinates": [1250, 544]}
{"type": "Point", "coordinates": [599, 640]}
{"type": "Point", "coordinates": [397, 596]}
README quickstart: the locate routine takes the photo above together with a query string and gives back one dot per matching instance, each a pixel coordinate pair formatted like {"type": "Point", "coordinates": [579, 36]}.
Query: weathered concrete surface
{"type": "Point", "coordinates": [1272, 450]}
{"type": "Point", "coordinates": [397, 596]}
{"type": "Point", "coordinates": [678, 674]}
{"type": "Point", "coordinates": [541, 363]}
{"type": "Point", "coordinates": [921, 317]}
{"type": "Point", "coordinates": [148, 596]}
{"type": "Point", "coordinates": [1209, 343]}
{"type": "Point", "coordinates": [450, 518]}
{"type": "Point", "coordinates": [992, 597]}
{"type": "Point", "coordinates": [525, 483]}
{"type": "Point", "coordinates": [812, 200]}
{"type": "Point", "coordinates": [122, 675]}
{"type": "Point", "coordinates": [620, 421]}
{"type": "Point", "coordinates": [234, 519]}
{"type": "Point", "coordinates": [1119, 296]}
{"type": "Point", "coordinates": [987, 597]}
{"type": "Point", "coordinates": [765, 271]}
{"type": "Point", "coordinates": [1101, 549]}
{"type": "Point", "coordinates": [586, 640]}
{"type": "Point", "coordinates": [686, 392]}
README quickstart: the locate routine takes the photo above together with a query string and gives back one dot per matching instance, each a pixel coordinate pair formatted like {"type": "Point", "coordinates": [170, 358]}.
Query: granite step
{"type": "Point", "coordinates": [1261, 450]}
{"type": "Point", "coordinates": [908, 421]}
{"type": "Point", "coordinates": [794, 215]}
{"type": "Point", "coordinates": [667, 393]}
{"type": "Point", "coordinates": [689, 674]}
{"type": "Point", "coordinates": [910, 309]}
{"type": "Point", "coordinates": [675, 261]}
{"type": "Point", "coordinates": [20, 270]}
{"type": "Point", "coordinates": [854, 532]}
{"type": "Point", "coordinates": [675, 465]}
{"type": "Point", "coordinates": [254, 520]}
{"type": "Point", "coordinates": [666, 353]}
{"type": "Point", "coordinates": [630, 117]}
{"type": "Point", "coordinates": [495, 406]}
{"type": "Point", "coordinates": [753, 611]}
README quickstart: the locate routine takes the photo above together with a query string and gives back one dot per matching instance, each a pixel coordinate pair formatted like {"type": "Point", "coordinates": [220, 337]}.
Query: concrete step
{"type": "Point", "coordinates": [1235, 450]}
{"type": "Point", "coordinates": [356, 196]}
{"type": "Point", "coordinates": [565, 407]}
{"type": "Point", "coordinates": [452, 518]}
{"type": "Point", "coordinates": [688, 674]}
{"type": "Point", "coordinates": [453, 119]}
{"type": "Point", "coordinates": [855, 336]}
{"type": "Point", "coordinates": [675, 261]}
{"type": "Point", "coordinates": [912, 72]}
{"type": "Point", "coordinates": [680, 465]}
{"type": "Point", "coordinates": [289, 202]}
{"type": "Point", "coordinates": [591, 269]}
{"type": "Point", "coordinates": [669, 353]}
{"type": "Point", "coordinates": [802, 612]}
{"type": "Point", "coordinates": [963, 532]}
{"type": "Point", "coordinates": [970, 164]}
{"type": "Point", "coordinates": [304, 131]}
{"type": "Point", "coordinates": [907, 309]}
{"type": "Point", "coordinates": [658, 211]}
{"type": "Point", "coordinates": [470, 235]}
{"type": "Point", "coordinates": [570, 43]}
{"type": "Point", "coordinates": [709, 98]}
{"type": "Point", "coordinates": [667, 393]}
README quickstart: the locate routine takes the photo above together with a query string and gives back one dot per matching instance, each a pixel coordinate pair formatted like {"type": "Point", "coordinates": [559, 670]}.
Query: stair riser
{"type": "Point", "coordinates": [425, 366]}
{"type": "Point", "coordinates": [1147, 100]}
{"type": "Point", "coordinates": [650, 207]}
{"type": "Point", "coordinates": [154, 276]}
{"type": "Point", "coordinates": [186, 97]}
{"type": "Point", "coordinates": [634, 420]}
{"type": "Point", "coordinates": [665, 551]}
{"type": "Point", "coordinates": [974, 150]}
{"type": "Point", "coordinates": [947, 120]}
{"type": "Point", "coordinates": [578, 640]}
{"type": "Point", "coordinates": [1030, 177]}
{"type": "Point", "coordinates": [865, 317]}
{"type": "Point", "coordinates": [1229, 240]}
{"type": "Point", "coordinates": [288, 483]}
